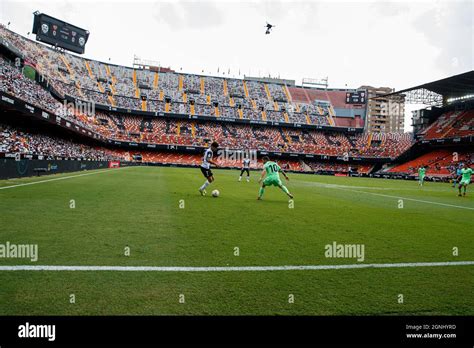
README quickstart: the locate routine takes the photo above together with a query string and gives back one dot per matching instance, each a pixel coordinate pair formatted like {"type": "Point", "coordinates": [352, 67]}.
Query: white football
{"type": "Point", "coordinates": [215, 193]}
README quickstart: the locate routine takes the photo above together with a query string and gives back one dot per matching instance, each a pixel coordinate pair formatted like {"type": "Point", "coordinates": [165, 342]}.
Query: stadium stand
{"type": "Point", "coordinates": [293, 165]}
{"type": "Point", "coordinates": [17, 141]}
{"type": "Point", "coordinates": [125, 127]}
{"type": "Point", "coordinates": [440, 163]}
{"type": "Point", "coordinates": [119, 86]}
{"type": "Point", "coordinates": [335, 126]}
{"type": "Point", "coordinates": [450, 125]}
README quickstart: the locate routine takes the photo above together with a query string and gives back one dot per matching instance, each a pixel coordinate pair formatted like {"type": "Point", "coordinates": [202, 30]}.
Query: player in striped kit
{"type": "Point", "coordinates": [206, 167]}
{"type": "Point", "coordinates": [245, 168]}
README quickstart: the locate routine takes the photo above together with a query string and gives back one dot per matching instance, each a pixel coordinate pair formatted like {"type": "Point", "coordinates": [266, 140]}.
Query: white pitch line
{"type": "Point", "coordinates": [371, 187]}
{"type": "Point", "coordinates": [416, 200]}
{"type": "Point", "coordinates": [231, 268]}
{"type": "Point", "coordinates": [390, 196]}
{"type": "Point", "coordinates": [61, 178]}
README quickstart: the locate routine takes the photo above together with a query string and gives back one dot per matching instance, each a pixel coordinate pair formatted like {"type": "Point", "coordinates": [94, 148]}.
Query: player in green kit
{"type": "Point", "coordinates": [271, 177]}
{"type": "Point", "coordinates": [421, 175]}
{"type": "Point", "coordinates": [465, 177]}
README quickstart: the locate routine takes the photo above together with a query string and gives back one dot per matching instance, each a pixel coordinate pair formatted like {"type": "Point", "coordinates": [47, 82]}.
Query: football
{"type": "Point", "coordinates": [215, 193]}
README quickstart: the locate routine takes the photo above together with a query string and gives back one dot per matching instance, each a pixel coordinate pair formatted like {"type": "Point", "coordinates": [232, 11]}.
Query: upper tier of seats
{"type": "Point", "coordinates": [126, 87]}
{"type": "Point", "coordinates": [160, 130]}
{"type": "Point", "coordinates": [451, 125]}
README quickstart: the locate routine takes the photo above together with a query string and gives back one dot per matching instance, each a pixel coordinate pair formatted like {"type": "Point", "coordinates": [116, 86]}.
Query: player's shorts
{"type": "Point", "coordinates": [269, 181]}
{"type": "Point", "coordinates": [465, 182]}
{"type": "Point", "coordinates": [244, 170]}
{"type": "Point", "coordinates": [206, 172]}
{"type": "Point", "coordinates": [421, 177]}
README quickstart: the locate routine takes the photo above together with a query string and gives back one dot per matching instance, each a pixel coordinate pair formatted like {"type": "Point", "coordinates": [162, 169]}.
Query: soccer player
{"type": "Point", "coordinates": [421, 175]}
{"type": "Point", "coordinates": [271, 172]}
{"type": "Point", "coordinates": [465, 177]}
{"type": "Point", "coordinates": [245, 168]}
{"type": "Point", "coordinates": [457, 174]}
{"type": "Point", "coordinates": [206, 167]}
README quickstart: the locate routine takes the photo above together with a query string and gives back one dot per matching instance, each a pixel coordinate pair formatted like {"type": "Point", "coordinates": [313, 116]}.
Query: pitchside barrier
{"type": "Point", "coordinates": [25, 167]}
{"type": "Point", "coordinates": [13, 168]}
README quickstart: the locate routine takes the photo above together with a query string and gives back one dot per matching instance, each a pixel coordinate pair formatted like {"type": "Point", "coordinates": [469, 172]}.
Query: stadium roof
{"type": "Point", "coordinates": [456, 86]}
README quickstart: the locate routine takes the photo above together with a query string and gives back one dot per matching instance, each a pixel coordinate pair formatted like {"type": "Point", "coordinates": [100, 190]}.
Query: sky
{"type": "Point", "coordinates": [352, 43]}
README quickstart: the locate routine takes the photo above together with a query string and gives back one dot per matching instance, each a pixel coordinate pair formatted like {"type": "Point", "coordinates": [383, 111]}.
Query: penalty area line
{"type": "Point", "coordinates": [231, 268]}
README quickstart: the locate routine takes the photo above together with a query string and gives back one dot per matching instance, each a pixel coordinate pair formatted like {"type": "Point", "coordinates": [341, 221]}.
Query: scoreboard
{"type": "Point", "coordinates": [358, 97]}
{"type": "Point", "coordinates": [59, 33]}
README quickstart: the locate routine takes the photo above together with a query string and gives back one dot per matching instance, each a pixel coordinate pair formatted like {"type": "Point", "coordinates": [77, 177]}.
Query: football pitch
{"type": "Point", "coordinates": [343, 246]}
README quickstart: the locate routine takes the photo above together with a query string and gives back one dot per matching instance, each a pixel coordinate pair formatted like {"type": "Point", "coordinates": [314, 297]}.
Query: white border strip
{"type": "Point", "coordinates": [230, 269]}
{"type": "Point", "coordinates": [100, 171]}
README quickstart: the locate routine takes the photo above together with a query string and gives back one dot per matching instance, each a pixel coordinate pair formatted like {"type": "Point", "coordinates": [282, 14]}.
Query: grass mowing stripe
{"type": "Point", "coordinates": [233, 268]}
{"type": "Point", "coordinates": [61, 178]}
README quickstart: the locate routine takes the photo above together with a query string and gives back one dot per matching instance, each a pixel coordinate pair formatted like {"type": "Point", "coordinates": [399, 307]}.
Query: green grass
{"type": "Point", "coordinates": [139, 207]}
{"type": "Point", "coordinates": [29, 72]}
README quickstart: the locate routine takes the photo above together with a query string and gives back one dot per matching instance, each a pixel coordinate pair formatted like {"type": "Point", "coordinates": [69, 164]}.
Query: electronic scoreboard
{"type": "Point", "coordinates": [357, 97]}
{"type": "Point", "coordinates": [59, 33]}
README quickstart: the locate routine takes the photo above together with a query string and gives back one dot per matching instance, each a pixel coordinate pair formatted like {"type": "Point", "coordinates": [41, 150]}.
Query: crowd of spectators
{"type": "Point", "coordinates": [13, 81]}
{"type": "Point", "coordinates": [278, 139]}
{"type": "Point", "coordinates": [129, 128]}
{"type": "Point", "coordinates": [346, 168]}
{"type": "Point", "coordinates": [123, 87]}
{"type": "Point", "coordinates": [229, 98]}
{"type": "Point", "coordinates": [16, 141]}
